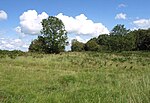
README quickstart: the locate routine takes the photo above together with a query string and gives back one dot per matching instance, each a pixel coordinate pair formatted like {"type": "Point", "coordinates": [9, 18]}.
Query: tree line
{"type": "Point", "coordinates": [53, 39]}
{"type": "Point", "coordinates": [119, 39]}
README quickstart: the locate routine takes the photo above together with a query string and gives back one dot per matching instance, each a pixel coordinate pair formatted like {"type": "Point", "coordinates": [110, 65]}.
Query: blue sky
{"type": "Point", "coordinates": [16, 17]}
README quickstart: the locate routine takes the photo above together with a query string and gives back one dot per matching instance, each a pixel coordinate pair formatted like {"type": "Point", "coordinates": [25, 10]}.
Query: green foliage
{"type": "Point", "coordinates": [92, 45]}
{"type": "Point", "coordinates": [12, 54]}
{"type": "Point", "coordinates": [53, 39]}
{"type": "Point", "coordinates": [119, 30]}
{"type": "Point", "coordinates": [121, 39]}
{"type": "Point", "coordinates": [54, 34]}
{"type": "Point", "coordinates": [104, 42]}
{"type": "Point", "coordinates": [77, 46]}
{"type": "Point", "coordinates": [38, 45]}
{"type": "Point", "coordinates": [116, 42]}
{"type": "Point", "coordinates": [142, 39]}
{"type": "Point", "coordinates": [121, 43]}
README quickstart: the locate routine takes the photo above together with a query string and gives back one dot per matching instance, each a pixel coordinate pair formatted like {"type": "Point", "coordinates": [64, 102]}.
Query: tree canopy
{"type": "Point", "coordinates": [119, 30]}
{"type": "Point", "coordinates": [92, 45]}
{"type": "Point", "coordinates": [120, 39]}
{"type": "Point", "coordinates": [77, 46]}
{"type": "Point", "coordinates": [53, 38]}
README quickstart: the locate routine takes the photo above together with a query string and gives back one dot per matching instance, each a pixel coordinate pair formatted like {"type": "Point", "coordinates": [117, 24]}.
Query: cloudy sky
{"type": "Point", "coordinates": [20, 20]}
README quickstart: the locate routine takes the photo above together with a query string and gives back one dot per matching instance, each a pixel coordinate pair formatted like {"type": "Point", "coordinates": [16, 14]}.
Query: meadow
{"type": "Point", "coordinates": [76, 77]}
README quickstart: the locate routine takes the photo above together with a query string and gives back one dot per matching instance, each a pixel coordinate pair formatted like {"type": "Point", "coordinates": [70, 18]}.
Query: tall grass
{"type": "Point", "coordinates": [88, 77]}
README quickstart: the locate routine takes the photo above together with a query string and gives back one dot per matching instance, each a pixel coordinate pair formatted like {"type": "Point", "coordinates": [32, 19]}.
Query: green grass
{"type": "Point", "coordinates": [87, 77]}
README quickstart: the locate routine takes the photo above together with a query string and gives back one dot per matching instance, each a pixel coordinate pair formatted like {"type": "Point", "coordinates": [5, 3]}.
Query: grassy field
{"type": "Point", "coordinates": [76, 78]}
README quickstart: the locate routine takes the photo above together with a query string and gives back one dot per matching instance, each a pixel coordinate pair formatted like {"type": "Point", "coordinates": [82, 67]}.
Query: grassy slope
{"type": "Point", "coordinates": [76, 78]}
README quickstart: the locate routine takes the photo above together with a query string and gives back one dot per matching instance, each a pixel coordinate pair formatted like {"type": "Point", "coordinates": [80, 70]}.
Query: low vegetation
{"type": "Point", "coordinates": [76, 77]}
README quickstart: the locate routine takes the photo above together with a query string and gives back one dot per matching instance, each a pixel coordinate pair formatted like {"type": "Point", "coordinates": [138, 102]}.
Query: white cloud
{"type": "Point", "coordinates": [3, 15]}
{"type": "Point", "coordinates": [134, 28]}
{"type": "Point", "coordinates": [13, 44]}
{"type": "Point", "coordinates": [82, 25]}
{"type": "Point", "coordinates": [121, 16]}
{"type": "Point", "coordinates": [30, 22]}
{"type": "Point", "coordinates": [78, 38]}
{"type": "Point", "coordinates": [18, 30]}
{"type": "Point", "coordinates": [142, 23]}
{"type": "Point", "coordinates": [121, 5]}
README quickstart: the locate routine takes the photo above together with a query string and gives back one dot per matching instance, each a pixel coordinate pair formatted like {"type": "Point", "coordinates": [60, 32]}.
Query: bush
{"type": "Point", "coordinates": [77, 46]}
{"type": "Point", "coordinates": [92, 45]}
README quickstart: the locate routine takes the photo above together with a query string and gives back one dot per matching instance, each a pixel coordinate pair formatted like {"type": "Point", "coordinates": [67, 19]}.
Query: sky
{"type": "Point", "coordinates": [20, 20]}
